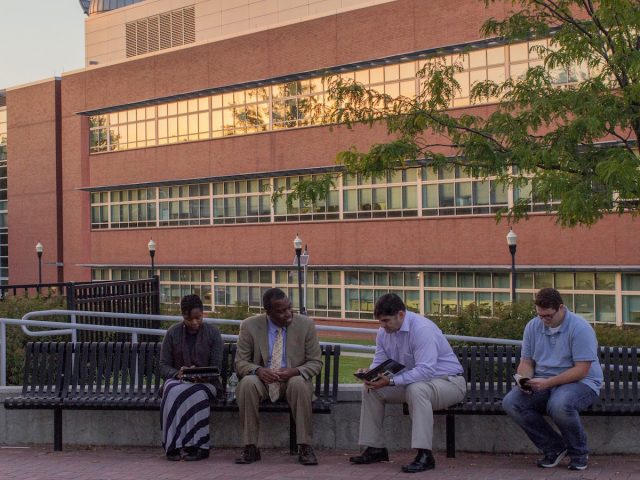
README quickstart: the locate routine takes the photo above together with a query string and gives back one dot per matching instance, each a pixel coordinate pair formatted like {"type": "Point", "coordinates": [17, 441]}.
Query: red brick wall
{"type": "Point", "coordinates": [31, 165]}
{"type": "Point", "coordinates": [398, 27]}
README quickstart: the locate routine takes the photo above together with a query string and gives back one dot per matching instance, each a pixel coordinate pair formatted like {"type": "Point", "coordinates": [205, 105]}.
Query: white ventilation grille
{"type": "Point", "coordinates": [158, 32]}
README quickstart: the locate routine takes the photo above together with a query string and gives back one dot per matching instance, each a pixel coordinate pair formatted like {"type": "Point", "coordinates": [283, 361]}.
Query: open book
{"type": "Point", "coordinates": [522, 382]}
{"type": "Point", "coordinates": [387, 368]}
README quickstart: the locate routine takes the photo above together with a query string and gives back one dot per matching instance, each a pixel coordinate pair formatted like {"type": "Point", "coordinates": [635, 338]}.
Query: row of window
{"type": "Point", "coordinates": [4, 242]}
{"type": "Point", "coordinates": [300, 103]}
{"type": "Point", "coordinates": [3, 133]}
{"type": "Point", "coordinates": [352, 293]}
{"type": "Point", "coordinates": [412, 192]}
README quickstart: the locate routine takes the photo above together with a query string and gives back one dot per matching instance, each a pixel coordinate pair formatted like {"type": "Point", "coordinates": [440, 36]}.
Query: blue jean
{"type": "Point", "coordinates": [563, 404]}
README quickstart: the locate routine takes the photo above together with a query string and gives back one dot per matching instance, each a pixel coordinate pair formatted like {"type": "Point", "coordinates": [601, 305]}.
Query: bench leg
{"type": "Point", "coordinates": [293, 436]}
{"type": "Point", "coordinates": [451, 435]}
{"type": "Point", "coordinates": [57, 429]}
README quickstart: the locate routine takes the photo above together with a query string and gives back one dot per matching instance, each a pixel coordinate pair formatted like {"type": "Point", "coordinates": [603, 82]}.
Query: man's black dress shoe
{"type": "Point", "coordinates": [306, 455]}
{"type": "Point", "coordinates": [174, 455]}
{"type": "Point", "coordinates": [371, 455]}
{"type": "Point", "coordinates": [249, 454]}
{"type": "Point", "coordinates": [424, 461]}
{"type": "Point", "coordinates": [195, 454]}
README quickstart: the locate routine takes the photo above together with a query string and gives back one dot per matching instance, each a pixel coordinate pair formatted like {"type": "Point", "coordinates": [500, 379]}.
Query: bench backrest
{"type": "Point", "coordinates": [118, 368]}
{"type": "Point", "coordinates": [326, 383]}
{"type": "Point", "coordinates": [620, 368]}
{"type": "Point", "coordinates": [489, 370]}
{"type": "Point", "coordinates": [45, 368]}
{"type": "Point", "coordinates": [123, 368]}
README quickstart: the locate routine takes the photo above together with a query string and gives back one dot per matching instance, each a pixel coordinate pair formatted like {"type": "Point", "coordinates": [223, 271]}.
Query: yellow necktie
{"type": "Point", "coordinates": [276, 362]}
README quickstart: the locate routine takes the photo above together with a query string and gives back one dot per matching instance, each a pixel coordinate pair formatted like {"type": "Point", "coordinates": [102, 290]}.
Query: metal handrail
{"type": "Point", "coordinates": [71, 327]}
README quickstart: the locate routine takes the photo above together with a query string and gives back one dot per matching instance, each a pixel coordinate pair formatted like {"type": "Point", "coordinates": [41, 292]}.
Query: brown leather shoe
{"type": "Point", "coordinates": [249, 454]}
{"type": "Point", "coordinates": [424, 461]}
{"type": "Point", "coordinates": [306, 455]}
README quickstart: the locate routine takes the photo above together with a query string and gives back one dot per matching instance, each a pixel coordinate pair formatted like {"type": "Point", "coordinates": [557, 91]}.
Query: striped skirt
{"type": "Point", "coordinates": [185, 414]}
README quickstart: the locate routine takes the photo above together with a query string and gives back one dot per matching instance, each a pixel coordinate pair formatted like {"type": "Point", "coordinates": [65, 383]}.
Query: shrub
{"type": "Point", "coordinates": [17, 307]}
{"type": "Point", "coordinates": [239, 311]}
{"type": "Point", "coordinates": [509, 321]}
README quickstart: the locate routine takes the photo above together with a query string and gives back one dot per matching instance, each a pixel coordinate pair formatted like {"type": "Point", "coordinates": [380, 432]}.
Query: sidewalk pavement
{"type": "Point", "coordinates": [80, 463]}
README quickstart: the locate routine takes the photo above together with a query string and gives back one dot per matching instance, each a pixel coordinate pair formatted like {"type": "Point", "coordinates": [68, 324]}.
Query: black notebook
{"type": "Point", "coordinates": [387, 368]}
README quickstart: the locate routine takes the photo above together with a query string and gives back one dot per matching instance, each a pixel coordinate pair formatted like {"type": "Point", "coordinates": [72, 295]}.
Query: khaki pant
{"type": "Point", "coordinates": [251, 392]}
{"type": "Point", "coordinates": [423, 398]}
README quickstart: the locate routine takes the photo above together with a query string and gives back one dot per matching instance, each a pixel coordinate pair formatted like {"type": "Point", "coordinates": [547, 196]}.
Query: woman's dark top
{"type": "Point", "coordinates": [205, 352]}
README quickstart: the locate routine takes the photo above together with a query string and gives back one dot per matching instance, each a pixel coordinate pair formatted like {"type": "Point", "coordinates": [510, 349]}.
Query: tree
{"type": "Point", "coordinates": [574, 145]}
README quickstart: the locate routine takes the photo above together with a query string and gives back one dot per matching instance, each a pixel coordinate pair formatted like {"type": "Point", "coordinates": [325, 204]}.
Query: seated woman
{"type": "Point", "coordinates": [185, 405]}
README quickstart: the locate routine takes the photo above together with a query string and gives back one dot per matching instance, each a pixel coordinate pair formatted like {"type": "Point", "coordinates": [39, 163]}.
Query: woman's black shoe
{"type": "Point", "coordinates": [174, 455]}
{"type": "Point", "coordinates": [196, 454]}
{"type": "Point", "coordinates": [371, 455]}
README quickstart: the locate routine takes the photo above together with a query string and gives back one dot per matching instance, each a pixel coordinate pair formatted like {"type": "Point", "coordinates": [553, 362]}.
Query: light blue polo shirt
{"type": "Point", "coordinates": [553, 353]}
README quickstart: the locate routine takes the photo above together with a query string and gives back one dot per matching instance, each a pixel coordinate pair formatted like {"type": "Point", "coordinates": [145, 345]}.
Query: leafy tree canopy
{"type": "Point", "coordinates": [574, 145]}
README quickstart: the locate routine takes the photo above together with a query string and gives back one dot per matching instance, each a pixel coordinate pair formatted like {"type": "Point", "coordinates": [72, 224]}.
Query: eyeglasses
{"type": "Point", "coordinates": [547, 316]}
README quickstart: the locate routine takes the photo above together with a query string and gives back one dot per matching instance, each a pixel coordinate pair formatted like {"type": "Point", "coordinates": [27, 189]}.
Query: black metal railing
{"type": "Point", "coordinates": [126, 296]}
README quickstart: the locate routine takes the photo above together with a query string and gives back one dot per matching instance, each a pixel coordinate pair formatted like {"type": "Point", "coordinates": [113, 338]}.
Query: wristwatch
{"type": "Point", "coordinates": [255, 371]}
{"type": "Point", "coordinates": [392, 382]}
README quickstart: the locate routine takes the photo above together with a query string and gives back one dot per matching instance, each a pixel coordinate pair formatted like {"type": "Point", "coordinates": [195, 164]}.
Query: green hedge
{"type": "Point", "coordinates": [16, 307]}
{"type": "Point", "coordinates": [509, 322]}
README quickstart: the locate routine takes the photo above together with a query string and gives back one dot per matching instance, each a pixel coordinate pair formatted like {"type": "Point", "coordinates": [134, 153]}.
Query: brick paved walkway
{"type": "Point", "coordinates": [40, 463]}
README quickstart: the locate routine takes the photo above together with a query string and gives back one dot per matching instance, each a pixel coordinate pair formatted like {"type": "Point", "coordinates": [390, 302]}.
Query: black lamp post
{"type": "Point", "coordinates": [297, 245]}
{"type": "Point", "coordinates": [512, 241]}
{"type": "Point", "coordinates": [39, 250]}
{"type": "Point", "coordinates": [152, 253]}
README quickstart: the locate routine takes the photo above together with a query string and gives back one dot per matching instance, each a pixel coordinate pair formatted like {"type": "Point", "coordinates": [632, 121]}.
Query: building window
{"type": "Point", "coordinates": [351, 294]}
{"type": "Point", "coordinates": [393, 195]}
{"type": "Point", "coordinates": [302, 103]}
{"type": "Point", "coordinates": [184, 205]}
{"type": "Point", "coordinates": [242, 201]}
{"type": "Point", "coordinates": [327, 209]}
{"type": "Point", "coordinates": [134, 208]}
{"type": "Point", "coordinates": [4, 230]}
{"type": "Point", "coordinates": [449, 191]}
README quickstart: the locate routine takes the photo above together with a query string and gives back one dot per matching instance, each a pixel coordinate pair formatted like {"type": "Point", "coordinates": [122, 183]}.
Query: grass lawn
{"type": "Point", "coordinates": [348, 365]}
{"type": "Point", "coordinates": [355, 341]}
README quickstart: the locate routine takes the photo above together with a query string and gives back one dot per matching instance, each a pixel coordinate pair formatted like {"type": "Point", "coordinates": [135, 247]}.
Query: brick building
{"type": "Point", "coordinates": [189, 114]}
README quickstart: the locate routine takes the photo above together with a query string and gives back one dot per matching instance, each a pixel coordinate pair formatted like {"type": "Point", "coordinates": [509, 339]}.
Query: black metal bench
{"type": "Point", "coordinates": [125, 376]}
{"type": "Point", "coordinates": [489, 370]}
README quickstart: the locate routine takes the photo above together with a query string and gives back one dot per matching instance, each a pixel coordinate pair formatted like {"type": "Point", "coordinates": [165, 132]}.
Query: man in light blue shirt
{"type": "Point", "coordinates": [431, 380]}
{"type": "Point", "coordinates": [560, 359]}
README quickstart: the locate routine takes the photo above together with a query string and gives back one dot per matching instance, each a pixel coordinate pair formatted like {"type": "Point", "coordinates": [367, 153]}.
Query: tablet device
{"type": "Point", "coordinates": [205, 373]}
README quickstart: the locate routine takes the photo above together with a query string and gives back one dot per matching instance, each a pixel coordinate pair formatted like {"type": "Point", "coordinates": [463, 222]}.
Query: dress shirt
{"type": "Point", "coordinates": [421, 347]}
{"type": "Point", "coordinates": [273, 331]}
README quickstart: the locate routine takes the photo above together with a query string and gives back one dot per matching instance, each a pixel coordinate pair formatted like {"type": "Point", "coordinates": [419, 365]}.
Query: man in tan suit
{"type": "Point", "coordinates": [262, 340]}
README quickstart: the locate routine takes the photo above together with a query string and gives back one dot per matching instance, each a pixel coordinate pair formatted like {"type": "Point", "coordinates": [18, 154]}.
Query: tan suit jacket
{"type": "Point", "coordinates": [302, 348]}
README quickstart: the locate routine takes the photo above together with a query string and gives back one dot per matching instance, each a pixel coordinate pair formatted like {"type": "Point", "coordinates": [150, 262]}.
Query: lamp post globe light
{"type": "Point", "coordinates": [512, 241]}
{"type": "Point", "coordinates": [152, 253]}
{"type": "Point", "coordinates": [297, 245]}
{"type": "Point", "coordinates": [39, 251]}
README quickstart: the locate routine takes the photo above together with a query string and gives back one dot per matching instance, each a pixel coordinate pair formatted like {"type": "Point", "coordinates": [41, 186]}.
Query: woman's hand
{"type": "Point", "coordinates": [180, 374]}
